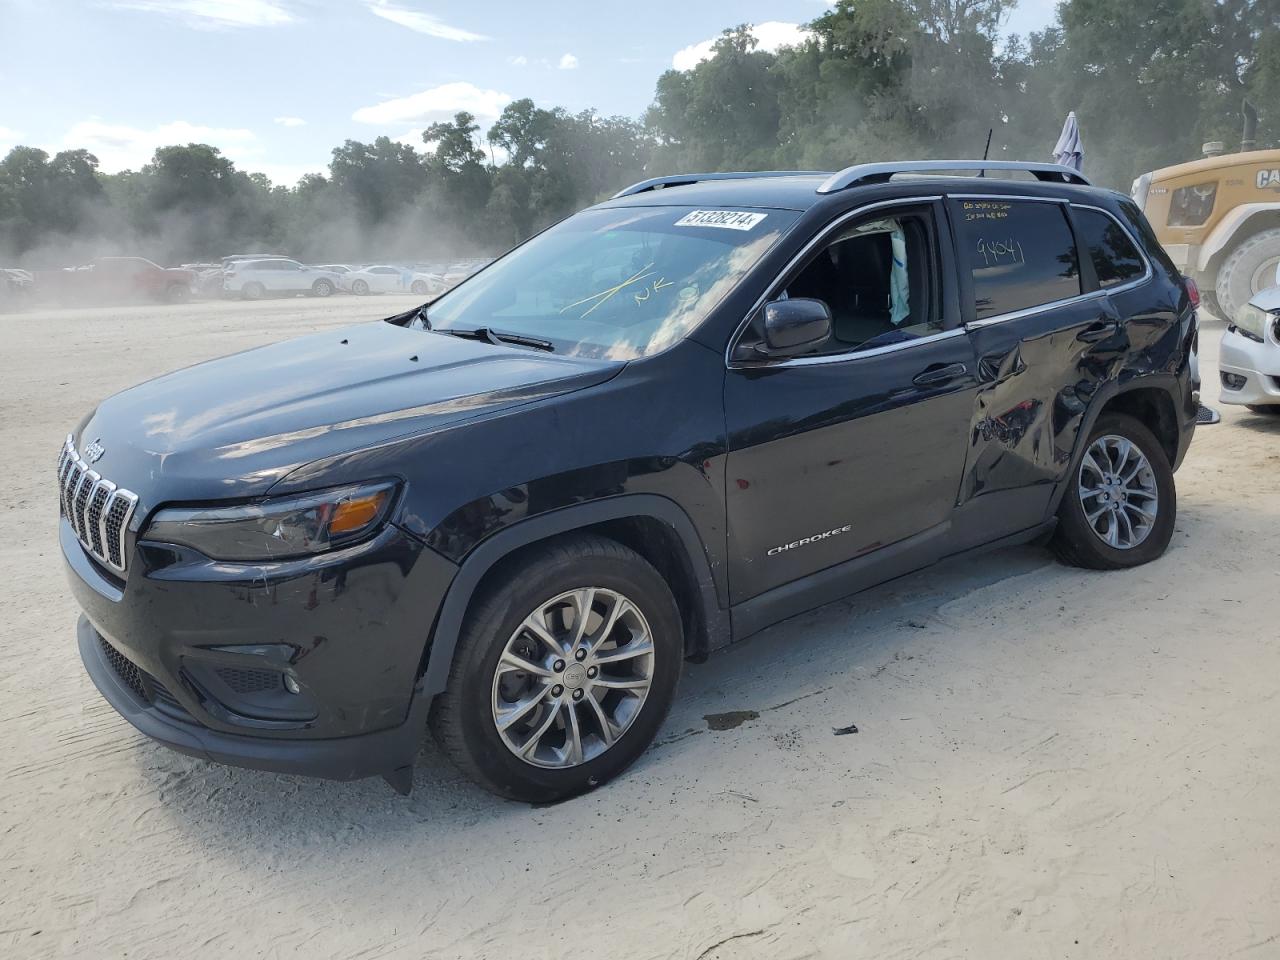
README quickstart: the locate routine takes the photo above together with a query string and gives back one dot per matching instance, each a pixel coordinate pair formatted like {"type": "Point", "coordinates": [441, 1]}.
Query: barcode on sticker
{"type": "Point", "coordinates": [724, 219]}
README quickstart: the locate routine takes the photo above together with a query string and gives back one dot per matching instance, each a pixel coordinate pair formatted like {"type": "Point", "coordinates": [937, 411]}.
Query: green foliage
{"type": "Point", "coordinates": [1150, 81]}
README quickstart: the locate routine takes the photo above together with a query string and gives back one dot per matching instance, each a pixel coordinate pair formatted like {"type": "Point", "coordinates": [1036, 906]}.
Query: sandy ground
{"type": "Point", "coordinates": [1050, 764]}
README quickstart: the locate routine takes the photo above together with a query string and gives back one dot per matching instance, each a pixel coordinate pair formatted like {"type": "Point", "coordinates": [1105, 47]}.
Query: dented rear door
{"type": "Point", "coordinates": [1044, 339]}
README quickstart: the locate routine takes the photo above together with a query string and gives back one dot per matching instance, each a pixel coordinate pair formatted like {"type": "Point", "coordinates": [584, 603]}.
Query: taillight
{"type": "Point", "coordinates": [1193, 291]}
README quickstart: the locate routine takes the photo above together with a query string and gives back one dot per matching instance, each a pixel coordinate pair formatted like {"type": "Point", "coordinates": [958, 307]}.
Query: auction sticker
{"type": "Point", "coordinates": [723, 219]}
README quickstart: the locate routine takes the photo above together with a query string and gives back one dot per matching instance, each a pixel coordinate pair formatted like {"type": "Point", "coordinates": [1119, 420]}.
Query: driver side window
{"type": "Point", "coordinates": [880, 280]}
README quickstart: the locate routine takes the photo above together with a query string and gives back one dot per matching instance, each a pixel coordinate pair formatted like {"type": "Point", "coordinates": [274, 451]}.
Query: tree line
{"type": "Point", "coordinates": [1150, 81]}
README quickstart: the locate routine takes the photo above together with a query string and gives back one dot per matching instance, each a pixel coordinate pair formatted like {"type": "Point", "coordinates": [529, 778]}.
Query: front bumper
{"type": "Point", "coordinates": [1257, 363]}
{"type": "Point", "coordinates": [345, 758]}
{"type": "Point", "coordinates": [215, 643]}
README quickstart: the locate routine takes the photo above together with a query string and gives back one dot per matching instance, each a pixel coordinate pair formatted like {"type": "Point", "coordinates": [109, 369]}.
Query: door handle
{"type": "Point", "coordinates": [942, 374]}
{"type": "Point", "coordinates": [1099, 331]}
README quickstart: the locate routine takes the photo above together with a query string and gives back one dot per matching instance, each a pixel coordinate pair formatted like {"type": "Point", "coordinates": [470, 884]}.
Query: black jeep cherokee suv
{"type": "Point", "coordinates": [693, 410]}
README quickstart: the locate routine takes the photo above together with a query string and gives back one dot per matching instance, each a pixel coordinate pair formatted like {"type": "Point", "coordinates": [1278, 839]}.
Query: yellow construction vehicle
{"type": "Point", "coordinates": [1219, 219]}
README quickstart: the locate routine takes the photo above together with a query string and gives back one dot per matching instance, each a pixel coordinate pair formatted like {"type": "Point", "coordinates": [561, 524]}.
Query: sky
{"type": "Point", "coordinates": [277, 84]}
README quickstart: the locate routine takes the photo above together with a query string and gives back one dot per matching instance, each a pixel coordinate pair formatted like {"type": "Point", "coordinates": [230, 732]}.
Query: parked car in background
{"type": "Point", "coordinates": [388, 279]}
{"type": "Point", "coordinates": [113, 279]}
{"type": "Point", "coordinates": [1249, 358]}
{"type": "Point", "coordinates": [232, 258]}
{"type": "Point", "coordinates": [456, 272]}
{"type": "Point", "coordinates": [15, 286]}
{"type": "Point", "coordinates": [255, 279]}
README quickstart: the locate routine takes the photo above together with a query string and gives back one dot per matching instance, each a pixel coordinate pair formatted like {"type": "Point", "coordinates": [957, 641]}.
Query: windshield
{"type": "Point", "coordinates": [615, 284]}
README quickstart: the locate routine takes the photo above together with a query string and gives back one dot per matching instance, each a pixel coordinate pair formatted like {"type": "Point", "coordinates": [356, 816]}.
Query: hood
{"type": "Point", "coordinates": [233, 427]}
{"type": "Point", "coordinates": [1268, 300]}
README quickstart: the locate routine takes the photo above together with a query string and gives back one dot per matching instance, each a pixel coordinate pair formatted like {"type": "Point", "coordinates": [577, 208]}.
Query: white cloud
{"type": "Point", "coordinates": [291, 121]}
{"type": "Point", "coordinates": [212, 14]}
{"type": "Point", "coordinates": [8, 139]}
{"type": "Point", "coordinates": [771, 35]}
{"type": "Point", "coordinates": [437, 103]}
{"type": "Point", "coordinates": [426, 23]}
{"type": "Point", "coordinates": [120, 147]}
{"type": "Point", "coordinates": [568, 62]}
{"type": "Point", "coordinates": [520, 61]}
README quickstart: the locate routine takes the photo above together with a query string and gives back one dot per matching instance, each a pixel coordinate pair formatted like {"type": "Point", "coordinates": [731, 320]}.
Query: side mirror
{"type": "Point", "coordinates": [794, 326]}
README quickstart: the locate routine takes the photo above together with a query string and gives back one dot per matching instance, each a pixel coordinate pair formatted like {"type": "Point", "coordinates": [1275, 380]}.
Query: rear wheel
{"type": "Point", "coordinates": [253, 291]}
{"type": "Point", "coordinates": [419, 287]}
{"type": "Point", "coordinates": [1249, 268]}
{"type": "Point", "coordinates": [359, 287]}
{"type": "Point", "coordinates": [1120, 505]}
{"type": "Point", "coordinates": [321, 288]}
{"type": "Point", "coordinates": [565, 668]}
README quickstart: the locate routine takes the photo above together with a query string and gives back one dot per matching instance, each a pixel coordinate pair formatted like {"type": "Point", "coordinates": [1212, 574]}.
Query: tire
{"type": "Point", "coordinates": [1209, 301]}
{"type": "Point", "coordinates": [322, 288]}
{"type": "Point", "coordinates": [1249, 268]}
{"type": "Point", "coordinates": [1272, 410]}
{"type": "Point", "coordinates": [253, 291]}
{"type": "Point", "coordinates": [177, 293]}
{"type": "Point", "coordinates": [464, 718]}
{"type": "Point", "coordinates": [1078, 542]}
{"type": "Point", "coordinates": [360, 288]}
{"type": "Point", "coordinates": [419, 287]}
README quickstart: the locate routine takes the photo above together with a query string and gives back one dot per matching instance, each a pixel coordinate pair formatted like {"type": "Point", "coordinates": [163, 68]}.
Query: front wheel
{"type": "Point", "coordinates": [564, 671]}
{"type": "Point", "coordinates": [1272, 410]}
{"type": "Point", "coordinates": [253, 291]}
{"type": "Point", "coordinates": [359, 287]}
{"type": "Point", "coordinates": [1120, 505]}
{"type": "Point", "coordinates": [321, 288]}
{"type": "Point", "coordinates": [419, 287]}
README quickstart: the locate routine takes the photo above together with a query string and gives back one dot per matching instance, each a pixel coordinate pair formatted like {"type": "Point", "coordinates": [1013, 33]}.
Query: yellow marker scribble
{"type": "Point", "coordinates": [605, 295]}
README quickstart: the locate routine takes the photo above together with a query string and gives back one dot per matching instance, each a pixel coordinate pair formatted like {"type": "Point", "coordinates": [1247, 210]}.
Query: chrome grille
{"type": "Point", "coordinates": [97, 509]}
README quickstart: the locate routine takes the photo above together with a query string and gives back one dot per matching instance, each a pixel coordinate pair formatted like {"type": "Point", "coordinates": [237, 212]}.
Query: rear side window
{"type": "Point", "coordinates": [1020, 254]}
{"type": "Point", "coordinates": [1114, 256]}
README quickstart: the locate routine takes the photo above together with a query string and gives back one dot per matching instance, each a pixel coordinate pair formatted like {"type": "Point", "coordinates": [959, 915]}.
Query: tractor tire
{"type": "Point", "coordinates": [1249, 268]}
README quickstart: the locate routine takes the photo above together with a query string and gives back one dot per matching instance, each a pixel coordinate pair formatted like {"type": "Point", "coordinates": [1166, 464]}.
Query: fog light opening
{"type": "Point", "coordinates": [1233, 381]}
{"type": "Point", "coordinates": [291, 684]}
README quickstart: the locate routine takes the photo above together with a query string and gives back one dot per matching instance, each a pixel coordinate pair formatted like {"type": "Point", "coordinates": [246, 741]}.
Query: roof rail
{"type": "Point", "coordinates": [683, 179]}
{"type": "Point", "coordinates": [881, 172]}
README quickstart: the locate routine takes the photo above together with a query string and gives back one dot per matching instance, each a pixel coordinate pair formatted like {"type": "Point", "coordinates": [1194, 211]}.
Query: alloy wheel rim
{"type": "Point", "coordinates": [573, 678]}
{"type": "Point", "coordinates": [1118, 492]}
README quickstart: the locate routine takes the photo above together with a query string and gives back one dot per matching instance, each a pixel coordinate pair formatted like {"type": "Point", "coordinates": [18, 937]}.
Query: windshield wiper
{"type": "Point", "coordinates": [499, 337]}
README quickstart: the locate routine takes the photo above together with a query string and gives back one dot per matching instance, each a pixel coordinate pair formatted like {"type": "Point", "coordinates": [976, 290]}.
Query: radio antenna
{"type": "Point", "coordinates": [986, 150]}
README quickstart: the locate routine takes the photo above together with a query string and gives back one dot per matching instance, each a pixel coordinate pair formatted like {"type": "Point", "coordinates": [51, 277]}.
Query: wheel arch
{"type": "Point", "coordinates": [1152, 400]}
{"type": "Point", "coordinates": [655, 527]}
{"type": "Point", "coordinates": [1237, 226]}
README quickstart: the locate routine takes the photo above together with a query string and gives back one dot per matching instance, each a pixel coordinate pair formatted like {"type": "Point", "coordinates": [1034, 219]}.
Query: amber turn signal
{"type": "Point", "coordinates": [351, 515]}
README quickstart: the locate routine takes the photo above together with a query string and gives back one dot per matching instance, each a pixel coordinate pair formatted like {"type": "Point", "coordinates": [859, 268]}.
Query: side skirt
{"type": "Point", "coordinates": [861, 573]}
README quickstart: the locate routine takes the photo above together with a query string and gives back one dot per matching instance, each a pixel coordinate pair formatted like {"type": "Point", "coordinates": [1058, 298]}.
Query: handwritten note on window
{"type": "Point", "coordinates": [1000, 253]}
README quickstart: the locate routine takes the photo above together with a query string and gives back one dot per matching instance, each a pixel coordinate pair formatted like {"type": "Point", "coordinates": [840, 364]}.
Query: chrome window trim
{"type": "Point", "coordinates": [852, 356]}
{"type": "Point", "coordinates": [1148, 272]}
{"type": "Point", "coordinates": [818, 238]}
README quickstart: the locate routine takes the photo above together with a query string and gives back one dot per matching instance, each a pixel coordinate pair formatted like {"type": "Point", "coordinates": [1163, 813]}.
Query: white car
{"type": "Point", "coordinates": [1249, 359]}
{"type": "Point", "coordinates": [254, 279]}
{"type": "Point", "coordinates": [388, 279]}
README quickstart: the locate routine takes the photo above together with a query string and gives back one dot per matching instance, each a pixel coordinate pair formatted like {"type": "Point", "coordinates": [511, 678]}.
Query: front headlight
{"type": "Point", "coordinates": [1252, 322]}
{"type": "Point", "coordinates": [278, 529]}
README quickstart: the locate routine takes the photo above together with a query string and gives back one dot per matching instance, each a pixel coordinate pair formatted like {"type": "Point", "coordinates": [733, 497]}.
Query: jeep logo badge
{"type": "Point", "coordinates": [94, 451]}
